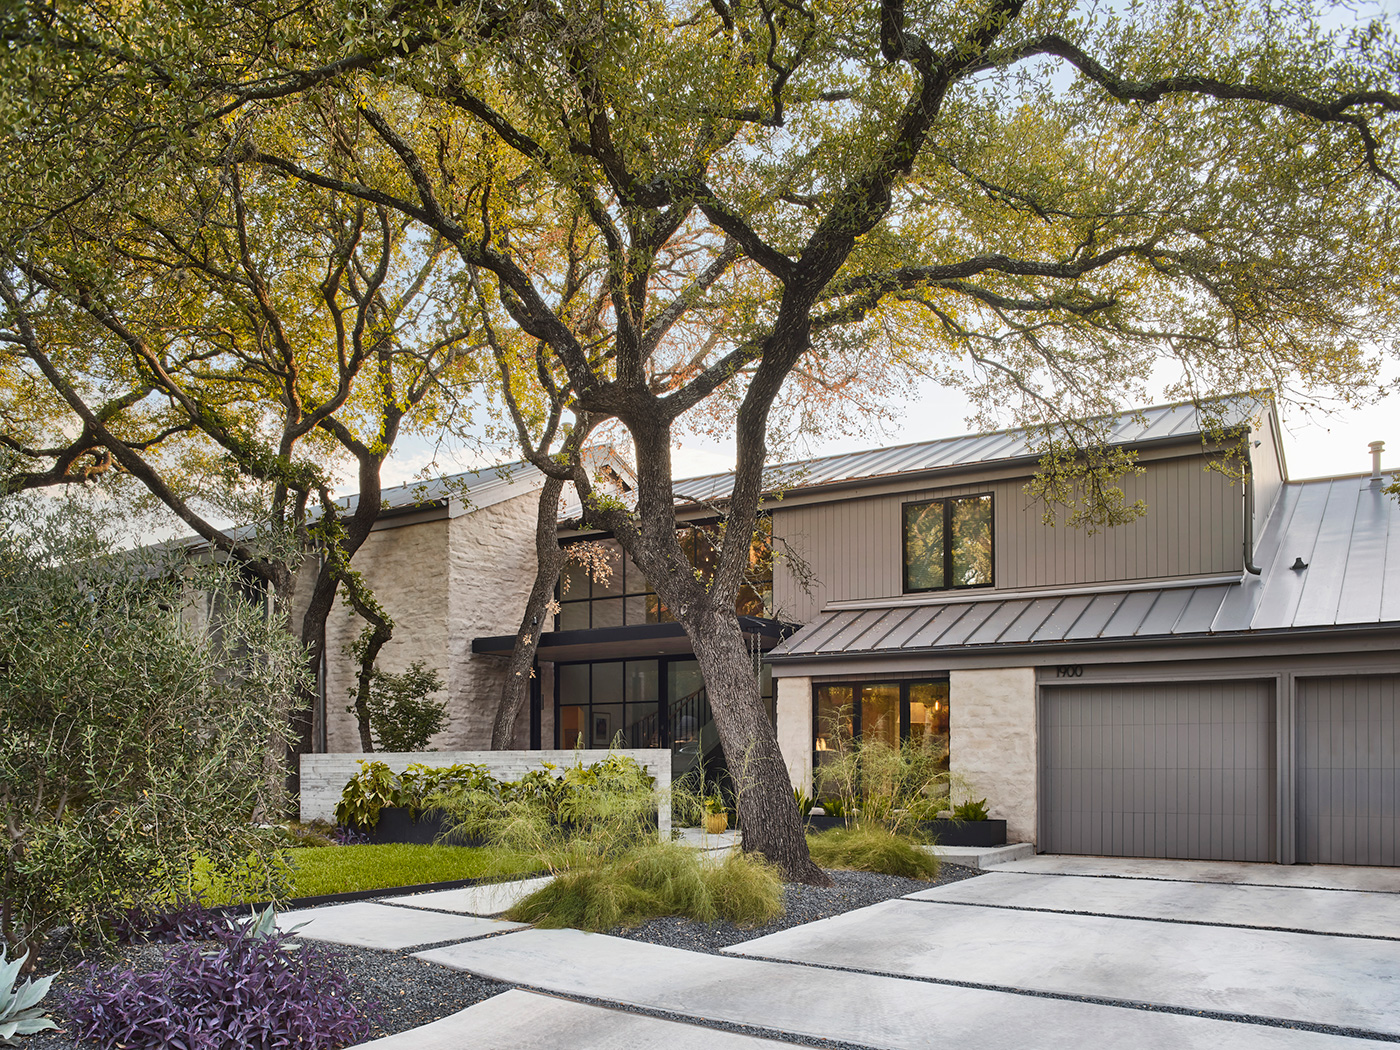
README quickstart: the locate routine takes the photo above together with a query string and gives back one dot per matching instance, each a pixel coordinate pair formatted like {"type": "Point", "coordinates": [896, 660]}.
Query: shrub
{"type": "Point", "coordinates": [655, 881]}
{"type": "Point", "coordinates": [876, 782]}
{"type": "Point", "coordinates": [401, 717]}
{"type": "Point", "coordinates": [139, 699]}
{"type": "Point", "coordinates": [248, 991]}
{"type": "Point", "coordinates": [188, 920]}
{"type": "Point", "coordinates": [376, 787]}
{"type": "Point", "coordinates": [872, 847]}
{"type": "Point", "coordinates": [970, 810]}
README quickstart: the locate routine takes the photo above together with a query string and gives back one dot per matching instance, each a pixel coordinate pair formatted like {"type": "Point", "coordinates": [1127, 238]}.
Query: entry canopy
{"type": "Point", "coordinates": [620, 643]}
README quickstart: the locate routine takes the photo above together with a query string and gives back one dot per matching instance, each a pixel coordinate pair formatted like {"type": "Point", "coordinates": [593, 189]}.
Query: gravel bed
{"type": "Point", "coordinates": [401, 992]}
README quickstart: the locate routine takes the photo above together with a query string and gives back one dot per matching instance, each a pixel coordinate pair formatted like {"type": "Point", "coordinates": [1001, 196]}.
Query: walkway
{"type": "Point", "coordinates": [1050, 952]}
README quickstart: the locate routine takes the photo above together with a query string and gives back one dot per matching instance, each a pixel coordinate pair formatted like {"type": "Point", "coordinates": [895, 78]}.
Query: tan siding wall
{"type": "Point", "coordinates": [851, 548]}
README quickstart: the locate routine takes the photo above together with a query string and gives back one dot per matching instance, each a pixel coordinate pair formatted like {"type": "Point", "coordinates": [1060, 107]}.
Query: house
{"type": "Point", "coordinates": [1219, 679]}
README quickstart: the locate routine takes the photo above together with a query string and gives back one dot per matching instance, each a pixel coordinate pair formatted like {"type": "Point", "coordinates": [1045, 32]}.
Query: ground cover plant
{"type": "Point", "coordinates": [139, 700]}
{"type": "Point", "coordinates": [872, 847]}
{"type": "Point", "coordinates": [246, 988]}
{"type": "Point", "coordinates": [346, 869]}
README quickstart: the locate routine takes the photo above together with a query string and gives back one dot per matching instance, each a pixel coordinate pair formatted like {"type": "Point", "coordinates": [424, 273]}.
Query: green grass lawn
{"type": "Point", "coordinates": [344, 869]}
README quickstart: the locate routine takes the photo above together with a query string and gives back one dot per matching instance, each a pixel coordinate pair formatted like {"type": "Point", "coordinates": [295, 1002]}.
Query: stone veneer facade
{"type": "Point", "coordinates": [992, 743]}
{"type": "Point", "coordinates": [444, 582]}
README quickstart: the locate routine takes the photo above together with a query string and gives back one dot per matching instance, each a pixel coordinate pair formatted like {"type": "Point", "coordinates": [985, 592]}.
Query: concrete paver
{"type": "Point", "coordinates": [486, 899]}
{"type": "Point", "coordinates": [878, 1011]}
{"type": "Point", "coordinates": [1267, 907]}
{"type": "Point", "coordinates": [983, 857]}
{"type": "Point", "coordinates": [1343, 981]}
{"type": "Point", "coordinates": [1322, 876]}
{"type": "Point", "coordinates": [517, 1020]}
{"type": "Point", "coordinates": [368, 925]}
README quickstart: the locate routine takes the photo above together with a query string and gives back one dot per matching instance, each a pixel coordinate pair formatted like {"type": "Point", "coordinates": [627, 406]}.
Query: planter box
{"type": "Point", "coordinates": [965, 832]}
{"type": "Point", "coordinates": [396, 824]}
{"type": "Point", "coordinates": [824, 823]}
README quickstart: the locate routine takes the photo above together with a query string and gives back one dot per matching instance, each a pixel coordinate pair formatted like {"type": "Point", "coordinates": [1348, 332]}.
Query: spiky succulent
{"type": "Point", "coordinates": [19, 1002]}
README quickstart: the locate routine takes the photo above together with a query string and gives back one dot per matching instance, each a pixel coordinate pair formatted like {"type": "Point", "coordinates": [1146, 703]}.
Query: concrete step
{"type": "Point", "coordinates": [875, 1011]}
{"type": "Point", "coordinates": [983, 857]}
{"type": "Point", "coordinates": [365, 924]}
{"type": "Point", "coordinates": [517, 1020]}
{"type": "Point", "coordinates": [1343, 981]}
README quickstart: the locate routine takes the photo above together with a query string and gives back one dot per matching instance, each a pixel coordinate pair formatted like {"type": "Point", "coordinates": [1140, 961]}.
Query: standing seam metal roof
{"type": "Point", "coordinates": [1346, 530]}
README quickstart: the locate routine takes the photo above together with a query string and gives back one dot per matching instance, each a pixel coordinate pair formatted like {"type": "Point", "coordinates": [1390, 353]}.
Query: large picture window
{"type": "Point", "coordinates": [887, 711]}
{"type": "Point", "coordinates": [948, 543]}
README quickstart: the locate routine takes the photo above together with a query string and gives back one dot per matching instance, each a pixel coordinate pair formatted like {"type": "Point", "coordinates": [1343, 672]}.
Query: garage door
{"type": "Point", "coordinates": [1348, 785]}
{"type": "Point", "coordinates": [1172, 769]}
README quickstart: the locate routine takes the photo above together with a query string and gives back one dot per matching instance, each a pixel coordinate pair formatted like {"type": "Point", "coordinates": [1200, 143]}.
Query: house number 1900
{"type": "Point", "coordinates": [1069, 671]}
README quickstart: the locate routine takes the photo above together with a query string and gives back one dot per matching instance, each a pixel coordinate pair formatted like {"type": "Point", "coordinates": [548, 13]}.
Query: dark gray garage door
{"type": "Point", "coordinates": [1172, 769]}
{"type": "Point", "coordinates": [1348, 785]}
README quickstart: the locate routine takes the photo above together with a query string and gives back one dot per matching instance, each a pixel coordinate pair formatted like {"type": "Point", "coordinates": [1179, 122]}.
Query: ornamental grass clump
{"type": "Point", "coordinates": [872, 847]}
{"type": "Point", "coordinates": [249, 990]}
{"type": "Point", "coordinates": [655, 881]}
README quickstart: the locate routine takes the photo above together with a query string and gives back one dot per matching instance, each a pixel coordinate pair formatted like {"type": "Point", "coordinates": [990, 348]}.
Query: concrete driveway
{"type": "Point", "coordinates": [1051, 953]}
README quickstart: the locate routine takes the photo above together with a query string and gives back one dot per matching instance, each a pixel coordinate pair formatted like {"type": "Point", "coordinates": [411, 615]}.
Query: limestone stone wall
{"type": "Point", "coordinates": [794, 703]}
{"type": "Point", "coordinates": [492, 565]}
{"type": "Point", "coordinates": [992, 743]}
{"type": "Point", "coordinates": [407, 569]}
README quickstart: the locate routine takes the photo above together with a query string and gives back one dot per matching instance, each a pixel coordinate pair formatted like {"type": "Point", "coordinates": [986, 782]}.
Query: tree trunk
{"type": "Point", "coordinates": [550, 559]}
{"type": "Point", "coordinates": [768, 815]}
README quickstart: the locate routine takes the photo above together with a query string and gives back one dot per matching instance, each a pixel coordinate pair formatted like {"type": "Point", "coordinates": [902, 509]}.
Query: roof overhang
{"type": "Point", "coordinates": [621, 643]}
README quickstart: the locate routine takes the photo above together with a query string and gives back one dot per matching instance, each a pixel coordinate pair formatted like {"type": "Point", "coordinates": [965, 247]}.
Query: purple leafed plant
{"type": "Point", "coordinates": [348, 836]}
{"type": "Point", "coordinates": [244, 992]}
{"type": "Point", "coordinates": [189, 920]}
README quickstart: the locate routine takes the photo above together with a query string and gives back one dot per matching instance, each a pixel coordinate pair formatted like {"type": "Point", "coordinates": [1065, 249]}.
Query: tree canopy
{"type": "Point", "coordinates": [674, 206]}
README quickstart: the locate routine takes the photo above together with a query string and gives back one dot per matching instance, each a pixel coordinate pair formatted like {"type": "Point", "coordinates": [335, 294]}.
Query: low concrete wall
{"type": "Point", "coordinates": [323, 777]}
{"type": "Point", "coordinates": [992, 745]}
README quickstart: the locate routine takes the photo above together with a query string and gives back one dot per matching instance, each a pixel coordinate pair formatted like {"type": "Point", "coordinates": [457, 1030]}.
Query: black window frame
{"type": "Point", "coordinates": [855, 685]}
{"type": "Point", "coordinates": [947, 504]}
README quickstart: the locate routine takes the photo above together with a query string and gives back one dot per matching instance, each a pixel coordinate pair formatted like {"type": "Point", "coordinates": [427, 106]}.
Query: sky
{"type": "Point", "coordinates": [1316, 444]}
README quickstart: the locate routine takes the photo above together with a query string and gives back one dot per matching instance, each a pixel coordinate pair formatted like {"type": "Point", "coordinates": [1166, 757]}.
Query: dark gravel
{"type": "Point", "coordinates": [401, 992]}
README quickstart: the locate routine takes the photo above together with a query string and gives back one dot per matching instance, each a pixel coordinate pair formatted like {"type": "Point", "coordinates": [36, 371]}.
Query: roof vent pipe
{"type": "Point", "coordinates": [1376, 447]}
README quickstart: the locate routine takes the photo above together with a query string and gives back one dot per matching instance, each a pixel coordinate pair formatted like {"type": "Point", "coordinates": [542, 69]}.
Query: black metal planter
{"type": "Point", "coordinates": [396, 824]}
{"type": "Point", "coordinates": [965, 832]}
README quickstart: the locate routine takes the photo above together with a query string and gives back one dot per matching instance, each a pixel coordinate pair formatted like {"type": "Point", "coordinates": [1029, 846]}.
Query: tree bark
{"type": "Point", "coordinates": [550, 560]}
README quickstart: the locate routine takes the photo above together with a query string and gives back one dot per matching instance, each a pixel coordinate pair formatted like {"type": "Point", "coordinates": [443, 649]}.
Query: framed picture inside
{"type": "Point", "coordinates": [602, 729]}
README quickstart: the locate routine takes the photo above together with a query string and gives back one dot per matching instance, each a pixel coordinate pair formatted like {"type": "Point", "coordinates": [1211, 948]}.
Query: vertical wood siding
{"type": "Point", "coordinates": [1348, 770]}
{"type": "Point", "coordinates": [851, 548]}
{"type": "Point", "coordinates": [1179, 770]}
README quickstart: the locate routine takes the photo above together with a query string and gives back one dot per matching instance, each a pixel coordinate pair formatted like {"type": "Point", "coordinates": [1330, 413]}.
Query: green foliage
{"type": "Point", "coordinates": [654, 881]}
{"type": "Point", "coordinates": [141, 702]}
{"type": "Point", "coordinates": [970, 810]}
{"type": "Point", "coordinates": [376, 786]}
{"type": "Point", "coordinates": [317, 872]}
{"type": "Point", "coordinates": [19, 1003]}
{"type": "Point", "coordinates": [401, 716]}
{"type": "Point", "coordinates": [872, 847]}
{"type": "Point", "coordinates": [876, 782]}
{"type": "Point", "coordinates": [804, 802]}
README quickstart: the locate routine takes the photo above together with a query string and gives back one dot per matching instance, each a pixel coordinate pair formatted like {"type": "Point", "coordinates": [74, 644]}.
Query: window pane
{"type": "Point", "coordinates": [835, 717]}
{"type": "Point", "coordinates": [611, 563]}
{"type": "Point", "coordinates": [642, 728]}
{"type": "Point", "coordinates": [923, 546]}
{"type": "Point", "coordinates": [607, 683]}
{"type": "Point", "coordinates": [879, 713]}
{"type": "Point", "coordinates": [657, 611]}
{"type": "Point", "coordinates": [573, 683]}
{"type": "Point", "coordinates": [928, 715]}
{"type": "Point", "coordinates": [573, 616]}
{"type": "Point", "coordinates": [643, 682]}
{"type": "Point", "coordinates": [972, 542]}
{"type": "Point", "coordinates": [571, 726]}
{"type": "Point", "coordinates": [607, 612]}
{"type": "Point", "coordinates": [635, 609]}
{"type": "Point", "coordinates": [636, 583]}
{"type": "Point", "coordinates": [573, 583]}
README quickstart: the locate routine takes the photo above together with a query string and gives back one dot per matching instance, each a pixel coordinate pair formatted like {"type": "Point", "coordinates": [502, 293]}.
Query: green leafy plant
{"type": "Point", "coordinates": [143, 713]}
{"type": "Point", "coordinates": [714, 805]}
{"type": "Point", "coordinates": [401, 715]}
{"type": "Point", "coordinates": [373, 788]}
{"type": "Point", "coordinates": [872, 847]}
{"type": "Point", "coordinates": [834, 807]}
{"type": "Point", "coordinates": [804, 802]}
{"type": "Point", "coordinates": [970, 810]}
{"type": "Point", "coordinates": [417, 788]}
{"type": "Point", "coordinates": [19, 1003]}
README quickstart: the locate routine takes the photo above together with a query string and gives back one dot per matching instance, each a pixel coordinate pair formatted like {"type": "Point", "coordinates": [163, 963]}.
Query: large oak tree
{"type": "Point", "coordinates": [1039, 202]}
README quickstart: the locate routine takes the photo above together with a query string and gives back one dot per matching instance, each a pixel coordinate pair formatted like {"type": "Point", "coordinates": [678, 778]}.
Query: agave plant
{"type": "Point", "coordinates": [19, 1003]}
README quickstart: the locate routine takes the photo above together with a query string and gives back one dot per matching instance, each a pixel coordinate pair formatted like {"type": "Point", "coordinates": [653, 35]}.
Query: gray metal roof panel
{"type": "Point", "coordinates": [1363, 581]}
{"type": "Point", "coordinates": [1162, 617]}
{"type": "Point", "coordinates": [1201, 609]}
{"type": "Point", "coordinates": [994, 626]}
{"type": "Point", "coordinates": [1024, 627]}
{"type": "Point", "coordinates": [1128, 617]}
{"type": "Point", "coordinates": [1095, 617]}
{"type": "Point", "coordinates": [1327, 560]}
{"type": "Point", "coordinates": [1058, 623]}
{"type": "Point", "coordinates": [951, 624]}
{"type": "Point", "coordinates": [1389, 570]}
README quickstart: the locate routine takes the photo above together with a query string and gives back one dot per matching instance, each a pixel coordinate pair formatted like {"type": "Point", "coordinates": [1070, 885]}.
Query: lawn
{"type": "Point", "coordinates": [344, 869]}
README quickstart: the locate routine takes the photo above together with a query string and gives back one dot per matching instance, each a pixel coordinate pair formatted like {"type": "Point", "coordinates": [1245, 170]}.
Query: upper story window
{"type": "Point", "coordinates": [948, 543]}
{"type": "Point", "coordinates": [621, 596]}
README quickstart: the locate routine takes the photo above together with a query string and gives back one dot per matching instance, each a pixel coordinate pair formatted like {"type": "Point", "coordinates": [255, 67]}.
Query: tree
{"type": "Point", "coordinates": [235, 338]}
{"type": "Point", "coordinates": [1036, 202]}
